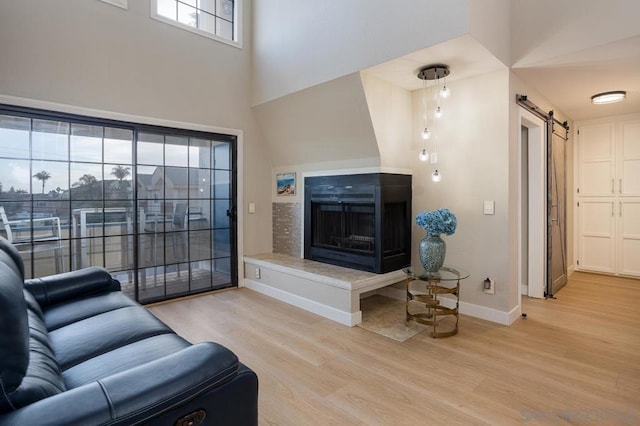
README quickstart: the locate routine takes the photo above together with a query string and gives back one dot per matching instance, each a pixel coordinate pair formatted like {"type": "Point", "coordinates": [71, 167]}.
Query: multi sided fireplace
{"type": "Point", "coordinates": [359, 221]}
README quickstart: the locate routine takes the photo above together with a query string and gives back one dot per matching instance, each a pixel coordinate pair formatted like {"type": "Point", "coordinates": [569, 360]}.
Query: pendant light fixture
{"type": "Point", "coordinates": [426, 133]}
{"type": "Point", "coordinates": [445, 92]}
{"type": "Point", "coordinates": [433, 72]}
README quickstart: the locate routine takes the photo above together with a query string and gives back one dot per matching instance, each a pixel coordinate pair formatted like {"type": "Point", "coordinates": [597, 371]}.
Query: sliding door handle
{"type": "Point", "coordinates": [231, 213]}
{"type": "Point", "coordinates": [612, 183]}
{"type": "Point", "coordinates": [612, 208]}
{"type": "Point", "coordinates": [620, 185]}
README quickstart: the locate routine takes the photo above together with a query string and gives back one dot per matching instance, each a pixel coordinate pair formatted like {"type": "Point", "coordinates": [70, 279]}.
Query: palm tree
{"type": "Point", "coordinates": [120, 172]}
{"type": "Point", "coordinates": [85, 179]}
{"type": "Point", "coordinates": [43, 176]}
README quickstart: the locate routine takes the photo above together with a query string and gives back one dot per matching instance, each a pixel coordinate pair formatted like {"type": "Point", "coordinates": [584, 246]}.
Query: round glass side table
{"type": "Point", "coordinates": [423, 303]}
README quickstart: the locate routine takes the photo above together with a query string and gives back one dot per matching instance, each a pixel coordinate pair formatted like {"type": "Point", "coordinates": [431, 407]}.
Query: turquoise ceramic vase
{"type": "Point", "coordinates": [432, 251]}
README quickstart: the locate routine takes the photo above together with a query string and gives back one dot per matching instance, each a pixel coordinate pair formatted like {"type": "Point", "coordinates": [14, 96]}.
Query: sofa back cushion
{"type": "Point", "coordinates": [14, 338]}
{"type": "Point", "coordinates": [14, 255]}
{"type": "Point", "coordinates": [28, 368]}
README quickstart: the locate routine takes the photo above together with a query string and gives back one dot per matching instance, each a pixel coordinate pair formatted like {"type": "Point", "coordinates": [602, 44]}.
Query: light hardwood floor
{"type": "Point", "coordinates": [574, 360]}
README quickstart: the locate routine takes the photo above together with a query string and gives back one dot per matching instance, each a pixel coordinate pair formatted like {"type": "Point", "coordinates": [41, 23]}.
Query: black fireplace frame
{"type": "Point", "coordinates": [387, 192]}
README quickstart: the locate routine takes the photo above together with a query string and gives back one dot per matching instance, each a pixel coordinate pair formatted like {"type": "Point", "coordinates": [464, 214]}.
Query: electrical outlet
{"type": "Point", "coordinates": [488, 286]}
{"type": "Point", "coordinates": [257, 273]}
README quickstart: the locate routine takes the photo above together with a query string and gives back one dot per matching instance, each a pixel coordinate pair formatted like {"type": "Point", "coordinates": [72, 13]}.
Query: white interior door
{"type": "Point", "coordinates": [596, 154]}
{"type": "Point", "coordinates": [629, 199]}
{"type": "Point", "coordinates": [629, 241]}
{"type": "Point", "coordinates": [597, 234]}
{"type": "Point", "coordinates": [629, 171]}
{"type": "Point", "coordinates": [596, 215]}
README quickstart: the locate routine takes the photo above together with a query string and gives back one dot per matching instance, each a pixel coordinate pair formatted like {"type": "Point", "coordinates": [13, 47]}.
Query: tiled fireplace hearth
{"type": "Point", "coordinates": [327, 290]}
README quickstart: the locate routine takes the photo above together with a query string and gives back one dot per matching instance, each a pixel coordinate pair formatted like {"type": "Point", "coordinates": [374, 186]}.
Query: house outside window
{"type": "Point", "coordinates": [216, 19]}
{"type": "Point", "coordinates": [152, 205]}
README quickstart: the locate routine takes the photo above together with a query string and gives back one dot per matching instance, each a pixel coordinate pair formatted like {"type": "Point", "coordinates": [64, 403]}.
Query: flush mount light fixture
{"type": "Point", "coordinates": [608, 97]}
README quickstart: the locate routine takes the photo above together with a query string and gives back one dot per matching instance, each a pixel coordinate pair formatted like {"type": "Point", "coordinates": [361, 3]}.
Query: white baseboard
{"type": "Point", "coordinates": [477, 311]}
{"type": "Point", "coordinates": [346, 318]}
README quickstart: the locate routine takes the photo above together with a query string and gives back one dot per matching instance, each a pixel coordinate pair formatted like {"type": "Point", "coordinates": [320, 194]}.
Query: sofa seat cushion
{"type": "Point", "coordinates": [123, 358]}
{"type": "Point", "coordinates": [67, 313]}
{"type": "Point", "coordinates": [82, 340]}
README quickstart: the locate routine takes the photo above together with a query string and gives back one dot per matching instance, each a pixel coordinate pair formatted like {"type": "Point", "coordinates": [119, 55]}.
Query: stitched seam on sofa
{"type": "Point", "coordinates": [115, 346]}
{"type": "Point", "coordinates": [44, 290]}
{"type": "Point", "coordinates": [4, 393]}
{"type": "Point", "coordinates": [87, 317]}
{"type": "Point", "coordinates": [205, 387]}
{"type": "Point", "coordinates": [112, 411]}
{"type": "Point", "coordinates": [61, 389]}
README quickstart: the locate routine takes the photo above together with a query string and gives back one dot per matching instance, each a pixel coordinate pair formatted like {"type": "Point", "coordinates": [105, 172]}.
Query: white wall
{"type": "Point", "coordinates": [473, 158]}
{"type": "Point", "coordinates": [323, 123]}
{"type": "Point", "coordinates": [391, 111]}
{"type": "Point", "coordinates": [490, 24]}
{"type": "Point", "coordinates": [298, 44]}
{"type": "Point", "coordinates": [90, 54]}
{"type": "Point", "coordinates": [544, 30]}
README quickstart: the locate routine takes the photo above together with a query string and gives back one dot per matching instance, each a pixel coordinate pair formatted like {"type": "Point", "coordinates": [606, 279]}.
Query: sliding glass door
{"type": "Point", "coordinates": [154, 206]}
{"type": "Point", "coordinates": [184, 199]}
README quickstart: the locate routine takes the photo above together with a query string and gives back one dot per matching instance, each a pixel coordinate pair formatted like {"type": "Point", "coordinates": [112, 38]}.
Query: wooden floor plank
{"type": "Point", "coordinates": [574, 360]}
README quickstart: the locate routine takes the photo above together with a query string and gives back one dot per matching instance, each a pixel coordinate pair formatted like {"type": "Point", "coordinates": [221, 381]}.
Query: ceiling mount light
{"type": "Point", "coordinates": [434, 72]}
{"type": "Point", "coordinates": [608, 97]}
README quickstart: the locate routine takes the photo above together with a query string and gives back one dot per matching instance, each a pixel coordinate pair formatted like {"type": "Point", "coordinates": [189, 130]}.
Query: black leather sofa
{"type": "Point", "coordinates": [74, 350]}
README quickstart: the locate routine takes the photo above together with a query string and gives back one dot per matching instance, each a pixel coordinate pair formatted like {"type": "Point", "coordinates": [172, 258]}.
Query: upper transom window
{"type": "Point", "coordinates": [217, 19]}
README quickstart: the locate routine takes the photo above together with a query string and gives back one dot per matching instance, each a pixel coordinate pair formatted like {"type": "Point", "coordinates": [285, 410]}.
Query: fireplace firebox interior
{"type": "Point", "coordinates": [359, 221]}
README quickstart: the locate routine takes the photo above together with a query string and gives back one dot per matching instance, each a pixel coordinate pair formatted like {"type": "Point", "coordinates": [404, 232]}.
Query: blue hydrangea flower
{"type": "Point", "coordinates": [437, 222]}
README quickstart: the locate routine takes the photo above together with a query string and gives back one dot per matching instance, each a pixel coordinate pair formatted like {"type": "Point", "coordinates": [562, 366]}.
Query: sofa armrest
{"type": "Point", "coordinates": [85, 405]}
{"type": "Point", "coordinates": [147, 391]}
{"type": "Point", "coordinates": [138, 394]}
{"type": "Point", "coordinates": [67, 286]}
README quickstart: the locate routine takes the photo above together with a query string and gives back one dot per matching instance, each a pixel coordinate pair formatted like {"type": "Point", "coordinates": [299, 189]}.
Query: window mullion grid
{"type": "Point", "coordinates": [31, 198]}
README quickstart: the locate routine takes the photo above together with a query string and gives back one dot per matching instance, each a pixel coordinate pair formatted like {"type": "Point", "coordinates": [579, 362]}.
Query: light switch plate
{"type": "Point", "coordinates": [252, 207]}
{"type": "Point", "coordinates": [489, 207]}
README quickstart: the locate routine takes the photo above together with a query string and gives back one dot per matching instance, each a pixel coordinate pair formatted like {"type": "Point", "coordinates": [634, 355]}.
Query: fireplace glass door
{"type": "Point", "coordinates": [344, 226]}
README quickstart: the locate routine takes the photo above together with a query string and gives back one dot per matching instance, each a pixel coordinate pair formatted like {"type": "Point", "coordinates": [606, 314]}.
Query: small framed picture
{"type": "Point", "coordinates": [286, 183]}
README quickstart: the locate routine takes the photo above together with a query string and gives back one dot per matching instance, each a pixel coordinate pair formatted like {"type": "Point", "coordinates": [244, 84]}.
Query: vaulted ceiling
{"type": "Point", "coordinates": [567, 51]}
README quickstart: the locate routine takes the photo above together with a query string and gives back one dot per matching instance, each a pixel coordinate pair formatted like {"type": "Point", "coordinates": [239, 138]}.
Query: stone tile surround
{"type": "Point", "coordinates": [287, 228]}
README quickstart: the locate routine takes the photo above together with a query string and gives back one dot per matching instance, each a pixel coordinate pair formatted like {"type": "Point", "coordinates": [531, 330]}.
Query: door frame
{"type": "Point", "coordinates": [536, 259]}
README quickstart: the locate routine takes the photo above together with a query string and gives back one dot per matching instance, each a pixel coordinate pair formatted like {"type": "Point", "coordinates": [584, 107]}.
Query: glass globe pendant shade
{"type": "Point", "coordinates": [426, 134]}
{"type": "Point", "coordinates": [424, 155]}
{"type": "Point", "coordinates": [445, 92]}
{"type": "Point", "coordinates": [437, 113]}
{"type": "Point", "coordinates": [436, 177]}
